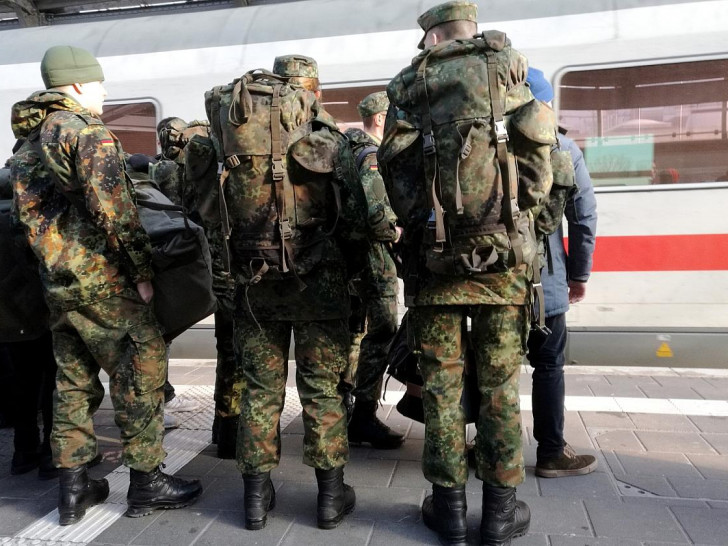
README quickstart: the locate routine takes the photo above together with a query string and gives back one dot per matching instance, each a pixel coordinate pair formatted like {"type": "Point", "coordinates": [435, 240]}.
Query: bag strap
{"type": "Point", "coordinates": [429, 148]}
{"type": "Point", "coordinates": [510, 205]}
{"type": "Point", "coordinates": [285, 197]}
{"type": "Point", "coordinates": [153, 205]}
{"type": "Point", "coordinates": [223, 171]}
{"type": "Point", "coordinates": [362, 155]}
{"type": "Point", "coordinates": [430, 156]}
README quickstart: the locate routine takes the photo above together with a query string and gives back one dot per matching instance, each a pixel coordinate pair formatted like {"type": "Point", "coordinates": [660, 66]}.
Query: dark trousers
{"type": "Point", "coordinates": [546, 355]}
{"type": "Point", "coordinates": [168, 388]}
{"type": "Point", "coordinates": [35, 380]}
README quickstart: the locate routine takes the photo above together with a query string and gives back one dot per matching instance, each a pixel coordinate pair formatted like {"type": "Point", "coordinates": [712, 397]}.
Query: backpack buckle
{"type": "Point", "coordinates": [232, 162]}
{"type": "Point", "coordinates": [278, 170]}
{"type": "Point", "coordinates": [285, 228]}
{"type": "Point", "coordinates": [500, 131]}
{"type": "Point", "coordinates": [428, 143]}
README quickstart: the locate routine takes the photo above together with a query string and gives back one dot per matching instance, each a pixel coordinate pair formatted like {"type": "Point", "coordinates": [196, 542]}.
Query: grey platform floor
{"type": "Point", "coordinates": [660, 435]}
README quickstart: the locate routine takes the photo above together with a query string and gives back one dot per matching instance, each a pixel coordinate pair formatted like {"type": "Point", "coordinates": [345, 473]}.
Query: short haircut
{"type": "Point", "coordinates": [456, 30]}
{"type": "Point", "coordinates": [311, 84]}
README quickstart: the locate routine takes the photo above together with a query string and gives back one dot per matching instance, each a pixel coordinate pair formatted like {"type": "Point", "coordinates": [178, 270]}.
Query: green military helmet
{"type": "Point", "coordinates": [458, 10]}
{"type": "Point", "coordinates": [66, 65]}
{"type": "Point", "coordinates": [295, 66]}
{"type": "Point", "coordinates": [373, 104]}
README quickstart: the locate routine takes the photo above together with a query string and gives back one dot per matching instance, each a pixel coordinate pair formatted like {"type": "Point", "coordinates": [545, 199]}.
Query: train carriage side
{"type": "Point", "coordinates": [642, 90]}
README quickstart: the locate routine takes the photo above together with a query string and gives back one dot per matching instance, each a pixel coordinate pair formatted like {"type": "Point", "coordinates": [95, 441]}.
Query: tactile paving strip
{"type": "Point", "coordinates": [182, 445]}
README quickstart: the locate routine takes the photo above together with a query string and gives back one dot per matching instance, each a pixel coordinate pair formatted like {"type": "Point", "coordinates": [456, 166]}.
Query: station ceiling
{"type": "Point", "coordinates": [30, 13]}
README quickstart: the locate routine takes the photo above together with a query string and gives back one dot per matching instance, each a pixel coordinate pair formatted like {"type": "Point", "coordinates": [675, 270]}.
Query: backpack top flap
{"type": "Point", "coordinates": [241, 113]}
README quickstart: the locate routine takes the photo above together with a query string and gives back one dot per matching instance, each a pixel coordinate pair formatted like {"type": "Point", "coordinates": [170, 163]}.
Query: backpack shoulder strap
{"type": "Point", "coordinates": [508, 178]}
{"type": "Point", "coordinates": [285, 196]}
{"type": "Point", "coordinates": [429, 150]}
{"type": "Point", "coordinates": [362, 155]}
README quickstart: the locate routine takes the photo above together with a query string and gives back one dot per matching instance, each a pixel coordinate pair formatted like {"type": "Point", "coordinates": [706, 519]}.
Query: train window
{"type": "Point", "coordinates": [658, 124]}
{"type": "Point", "coordinates": [135, 124]}
{"type": "Point", "coordinates": [341, 103]}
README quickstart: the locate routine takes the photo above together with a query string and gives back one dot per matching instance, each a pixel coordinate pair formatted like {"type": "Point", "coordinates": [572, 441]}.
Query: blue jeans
{"type": "Point", "coordinates": [546, 355]}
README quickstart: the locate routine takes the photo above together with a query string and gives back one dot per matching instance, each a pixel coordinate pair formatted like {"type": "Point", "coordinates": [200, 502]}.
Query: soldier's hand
{"type": "Point", "coordinates": [577, 291]}
{"type": "Point", "coordinates": [145, 290]}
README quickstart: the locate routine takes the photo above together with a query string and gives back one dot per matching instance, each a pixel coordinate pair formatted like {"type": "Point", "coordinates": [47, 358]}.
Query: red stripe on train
{"type": "Point", "coordinates": [662, 253]}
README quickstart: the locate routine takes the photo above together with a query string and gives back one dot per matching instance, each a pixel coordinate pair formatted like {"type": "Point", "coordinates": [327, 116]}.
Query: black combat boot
{"type": "Point", "coordinates": [227, 437]}
{"type": "Point", "coordinates": [504, 517]}
{"type": "Point", "coordinates": [149, 491]}
{"type": "Point", "coordinates": [365, 426]}
{"type": "Point", "coordinates": [444, 512]}
{"type": "Point", "coordinates": [335, 498]}
{"type": "Point", "coordinates": [77, 493]}
{"type": "Point", "coordinates": [260, 498]}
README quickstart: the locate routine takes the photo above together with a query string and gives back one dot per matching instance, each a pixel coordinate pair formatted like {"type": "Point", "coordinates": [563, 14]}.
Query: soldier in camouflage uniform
{"type": "Point", "coordinates": [496, 303]}
{"type": "Point", "coordinates": [377, 286]}
{"type": "Point", "coordinates": [77, 208]}
{"type": "Point", "coordinates": [314, 307]}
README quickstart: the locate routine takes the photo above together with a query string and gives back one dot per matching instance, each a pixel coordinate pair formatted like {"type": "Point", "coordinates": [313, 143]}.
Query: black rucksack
{"type": "Point", "coordinates": [181, 261]}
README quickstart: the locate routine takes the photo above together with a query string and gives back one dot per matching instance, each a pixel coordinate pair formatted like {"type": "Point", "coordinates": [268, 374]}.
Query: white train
{"type": "Point", "coordinates": [641, 85]}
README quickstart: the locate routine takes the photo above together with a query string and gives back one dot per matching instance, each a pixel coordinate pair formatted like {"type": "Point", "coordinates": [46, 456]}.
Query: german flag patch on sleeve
{"type": "Point", "coordinates": [374, 167]}
{"type": "Point", "coordinates": [107, 142]}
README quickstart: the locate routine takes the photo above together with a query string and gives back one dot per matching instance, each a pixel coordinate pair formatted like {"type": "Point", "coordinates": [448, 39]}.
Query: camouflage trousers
{"type": "Point", "coordinates": [368, 354]}
{"type": "Point", "coordinates": [498, 336]}
{"type": "Point", "coordinates": [228, 376]}
{"type": "Point", "coordinates": [121, 336]}
{"type": "Point", "coordinates": [320, 349]}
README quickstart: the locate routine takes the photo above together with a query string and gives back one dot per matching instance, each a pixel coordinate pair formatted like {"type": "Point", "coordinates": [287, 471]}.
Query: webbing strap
{"type": "Point", "coordinates": [215, 118]}
{"type": "Point", "coordinates": [430, 155]}
{"type": "Point", "coordinates": [224, 220]}
{"type": "Point", "coordinates": [510, 207]}
{"type": "Point", "coordinates": [241, 105]}
{"type": "Point", "coordinates": [279, 179]}
{"type": "Point", "coordinates": [362, 155]}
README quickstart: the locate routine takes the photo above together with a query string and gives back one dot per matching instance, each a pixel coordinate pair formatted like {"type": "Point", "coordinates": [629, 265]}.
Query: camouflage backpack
{"type": "Point", "coordinates": [466, 155]}
{"type": "Point", "coordinates": [550, 212]}
{"type": "Point", "coordinates": [284, 169]}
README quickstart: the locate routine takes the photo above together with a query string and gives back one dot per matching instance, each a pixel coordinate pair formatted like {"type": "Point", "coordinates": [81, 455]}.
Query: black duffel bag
{"type": "Point", "coordinates": [181, 261]}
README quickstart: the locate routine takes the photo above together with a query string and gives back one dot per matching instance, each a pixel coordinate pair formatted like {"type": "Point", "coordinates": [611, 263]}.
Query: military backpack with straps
{"type": "Point", "coordinates": [465, 144]}
{"type": "Point", "coordinates": [282, 173]}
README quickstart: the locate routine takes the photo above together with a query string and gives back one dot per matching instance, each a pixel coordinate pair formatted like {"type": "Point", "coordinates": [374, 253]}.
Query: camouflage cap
{"type": "Point", "coordinates": [373, 104]}
{"type": "Point", "coordinates": [66, 65]}
{"type": "Point", "coordinates": [295, 66]}
{"type": "Point", "coordinates": [458, 10]}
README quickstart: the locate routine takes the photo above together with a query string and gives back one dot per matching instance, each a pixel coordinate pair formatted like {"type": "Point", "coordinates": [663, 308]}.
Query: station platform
{"type": "Point", "coordinates": [660, 436]}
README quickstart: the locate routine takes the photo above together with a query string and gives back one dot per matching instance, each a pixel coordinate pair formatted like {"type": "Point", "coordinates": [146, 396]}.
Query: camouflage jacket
{"type": "Point", "coordinates": [502, 284]}
{"type": "Point", "coordinates": [75, 202]}
{"type": "Point", "coordinates": [380, 274]}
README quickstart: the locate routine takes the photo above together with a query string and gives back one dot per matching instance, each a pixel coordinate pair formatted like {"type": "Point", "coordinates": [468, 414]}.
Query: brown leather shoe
{"type": "Point", "coordinates": [569, 464]}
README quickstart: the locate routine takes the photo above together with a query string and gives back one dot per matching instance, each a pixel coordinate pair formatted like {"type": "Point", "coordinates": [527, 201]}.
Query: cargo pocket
{"type": "Point", "coordinates": [149, 358]}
